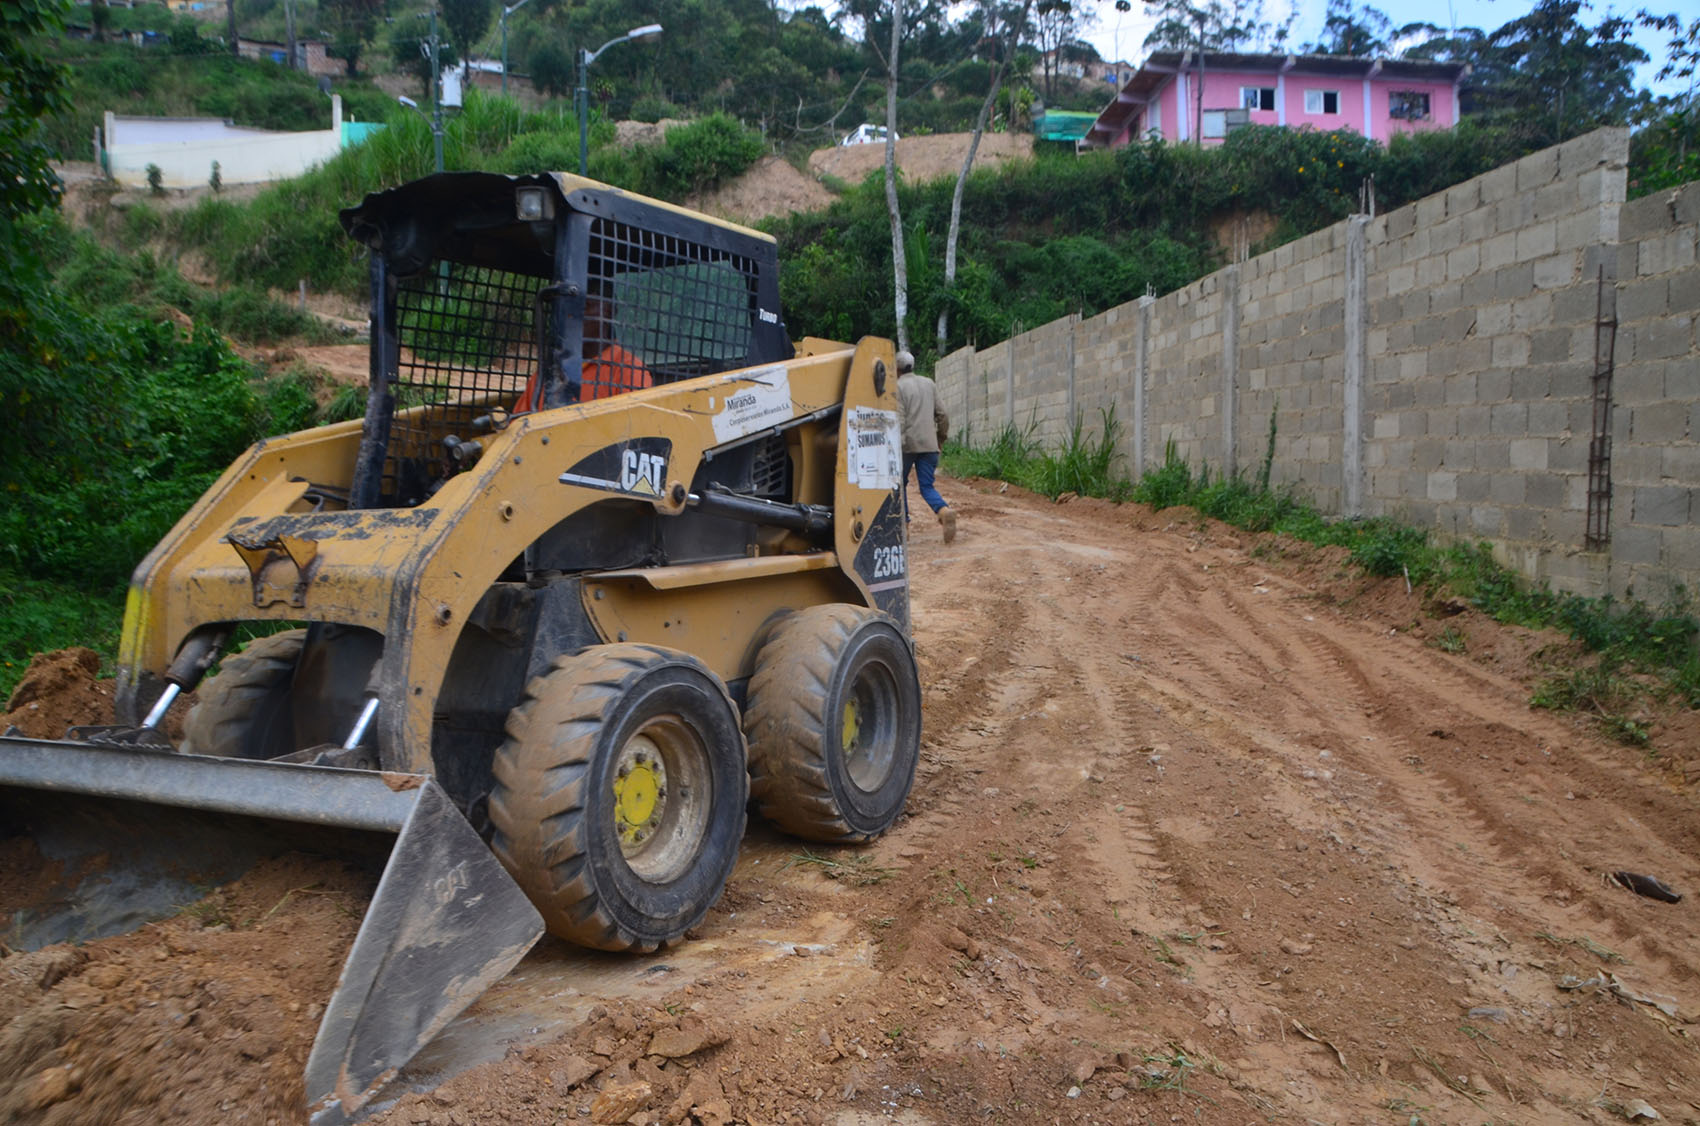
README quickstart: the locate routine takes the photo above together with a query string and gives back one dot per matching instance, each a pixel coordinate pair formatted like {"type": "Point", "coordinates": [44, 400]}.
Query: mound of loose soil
{"type": "Point", "coordinates": [59, 690]}
{"type": "Point", "coordinates": [206, 1017]}
{"type": "Point", "coordinates": [771, 187]}
{"type": "Point", "coordinates": [921, 158]}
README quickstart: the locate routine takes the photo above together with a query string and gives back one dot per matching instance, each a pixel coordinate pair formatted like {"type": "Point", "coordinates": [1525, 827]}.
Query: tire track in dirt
{"type": "Point", "coordinates": [1368, 705]}
{"type": "Point", "coordinates": [1492, 858]}
{"type": "Point", "coordinates": [1499, 851]}
{"type": "Point", "coordinates": [1182, 846]}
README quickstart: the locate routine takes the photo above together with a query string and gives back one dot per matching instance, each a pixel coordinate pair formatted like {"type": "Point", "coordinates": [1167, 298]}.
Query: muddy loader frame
{"type": "Point", "coordinates": [557, 591]}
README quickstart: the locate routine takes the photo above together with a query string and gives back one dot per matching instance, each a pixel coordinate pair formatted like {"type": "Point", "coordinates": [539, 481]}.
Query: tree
{"type": "Point", "coordinates": [466, 21]}
{"type": "Point", "coordinates": [410, 50]}
{"type": "Point", "coordinates": [1210, 25]}
{"type": "Point", "coordinates": [1003, 30]}
{"type": "Point", "coordinates": [889, 19]}
{"type": "Point", "coordinates": [551, 69]}
{"type": "Point", "coordinates": [34, 88]}
{"type": "Point", "coordinates": [899, 265]}
{"type": "Point", "coordinates": [352, 23]}
{"type": "Point", "coordinates": [1550, 76]}
{"type": "Point", "coordinates": [1359, 33]}
{"type": "Point", "coordinates": [1056, 24]}
{"type": "Point", "coordinates": [1667, 145]}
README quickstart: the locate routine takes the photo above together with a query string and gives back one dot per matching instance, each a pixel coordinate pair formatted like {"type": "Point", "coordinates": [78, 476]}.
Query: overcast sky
{"type": "Point", "coordinates": [1124, 34]}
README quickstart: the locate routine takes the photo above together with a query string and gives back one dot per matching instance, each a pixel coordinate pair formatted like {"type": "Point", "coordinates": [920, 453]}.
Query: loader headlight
{"type": "Point", "coordinates": [531, 204]}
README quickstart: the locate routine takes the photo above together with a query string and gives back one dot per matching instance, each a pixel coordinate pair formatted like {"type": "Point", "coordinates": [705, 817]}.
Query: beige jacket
{"type": "Point", "coordinates": [925, 425]}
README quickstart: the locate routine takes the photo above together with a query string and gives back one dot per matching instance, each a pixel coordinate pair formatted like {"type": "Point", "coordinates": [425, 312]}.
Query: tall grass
{"type": "Point", "coordinates": [1085, 466]}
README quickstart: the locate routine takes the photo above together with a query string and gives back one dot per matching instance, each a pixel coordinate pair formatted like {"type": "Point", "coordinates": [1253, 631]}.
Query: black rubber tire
{"type": "Point", "coordinates": [244, 711]}
{"type": "Point", "coordinates": [817, 665]}
{"type": "Point", "coordinates": [560, 819]}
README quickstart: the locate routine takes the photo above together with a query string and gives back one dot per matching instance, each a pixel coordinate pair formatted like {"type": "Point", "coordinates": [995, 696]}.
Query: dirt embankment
{"type": "Point", "coordinates": [921, 158]}
{"type": "Point", "coordinates": [1205, 830]}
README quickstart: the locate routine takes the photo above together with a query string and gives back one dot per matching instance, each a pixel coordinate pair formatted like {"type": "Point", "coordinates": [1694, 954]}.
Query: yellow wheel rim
{"type": "Point", "coordinates": [640, 789]}
{"type": "Point", "coordinates": [852, 725]}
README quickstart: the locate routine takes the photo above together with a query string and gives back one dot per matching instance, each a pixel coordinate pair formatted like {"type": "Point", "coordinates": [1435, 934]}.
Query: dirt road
{"type": "Point", "coordinates": [1193, 840]}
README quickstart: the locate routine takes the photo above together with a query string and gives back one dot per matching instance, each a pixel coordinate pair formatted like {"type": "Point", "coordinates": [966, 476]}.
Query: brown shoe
{"type": "Point", "coordinates": [947, 519]}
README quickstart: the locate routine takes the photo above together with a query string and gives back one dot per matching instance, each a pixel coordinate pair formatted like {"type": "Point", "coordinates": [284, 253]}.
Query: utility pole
{"type": "Point", "coordinates": [436, 94]}
{"type": "Point", "coordinates": [289, 29]}
{"type": "Point", "coordinates": [230, 29]}
{"type": "Point", "coordinates": [506, 12]}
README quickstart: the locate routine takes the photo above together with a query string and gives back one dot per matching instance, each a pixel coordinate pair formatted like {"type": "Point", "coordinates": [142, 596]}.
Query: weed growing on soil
{"type": "Point", "coordinates": [1603, 953]}
{"type": "Point", "coordinates": [1085, 466]}
{"type": "Point", "coordinates": [1451, 640]}
{"type": "Point", "coordinates": [1639, 650]}
{"type": "Point", "coordinates": [857, 869]}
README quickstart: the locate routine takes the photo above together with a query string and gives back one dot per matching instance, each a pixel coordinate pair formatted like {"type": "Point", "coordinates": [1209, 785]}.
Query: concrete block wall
{"type": "Point", "coordinates": [1043, 366]}
{"type": "Point", "coordinates": [1104, 361]}
{"type": "Point", "coordinates": [1435, 363]}
{"type": "Point", "coordinates": [1655, 450]}
{"type": "Point", "coordinates": [953, 377]}
{"type": "Point", "coordinates": [1483, 308]}
{"type": "Point", "coordinates": [1291, 358]}
{"type": "Point", "coordinates": [1183, 386]}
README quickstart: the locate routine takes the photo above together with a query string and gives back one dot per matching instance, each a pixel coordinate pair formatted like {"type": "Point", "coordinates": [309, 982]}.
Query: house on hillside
{"type": "Point", "coordinates": [1374, 97]}
{"type": "Point", "coordinates": [310, 55]}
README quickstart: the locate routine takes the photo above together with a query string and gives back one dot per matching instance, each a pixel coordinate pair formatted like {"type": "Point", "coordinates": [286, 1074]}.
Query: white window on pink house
{"type": "Point", "coordinates": [1322, 101]}
{"type": "Point", "coordinates": [1408, 105]}
{"type": "Point", "coordinates": [1218, 123]}
{"type": "Point", "coordinates": [1257, 97]}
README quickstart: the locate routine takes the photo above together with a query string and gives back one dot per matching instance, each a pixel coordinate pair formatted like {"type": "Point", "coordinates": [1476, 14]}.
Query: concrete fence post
{"type": "Point", "coordinates": [1356, 324]}
{"type": "Point", "coordinates": [1141, 369]}
{"type": "Point", "coordinates": [1009, 381]}
{"type": "Point", "coordinates": [984, 418]}
{"type": "Point", "coordinates": [1073, 327]}
{"type": "Point", "coordinates": [1230, 368]}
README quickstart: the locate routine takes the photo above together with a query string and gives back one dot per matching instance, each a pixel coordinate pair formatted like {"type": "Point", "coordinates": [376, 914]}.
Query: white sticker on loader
{"type": "Point", "coordinates": [876, 449]}
{"type": "Point", "coordinates": [754, 401]}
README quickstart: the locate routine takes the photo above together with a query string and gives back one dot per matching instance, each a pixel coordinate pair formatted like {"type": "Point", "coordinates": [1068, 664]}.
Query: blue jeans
{"type": "Point", "coordinates": [924, 465]}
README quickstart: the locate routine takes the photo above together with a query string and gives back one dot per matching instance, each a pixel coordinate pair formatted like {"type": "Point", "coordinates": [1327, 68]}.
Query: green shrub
{"type": "Point", "coordinates": [111, 422]}
{"type": "Point", "coordinates": [539, 152]}
{"type": "Point", "coordinates": [652, 108]}
{"type": "Point", "coordinates": [1085, 465]}
{"type": "Point", "coordinates": [39, 616]}
{"type": "Point", "coordinates": [1385, 548]}
{"type": "Point", "coordinates": [1168, 485]}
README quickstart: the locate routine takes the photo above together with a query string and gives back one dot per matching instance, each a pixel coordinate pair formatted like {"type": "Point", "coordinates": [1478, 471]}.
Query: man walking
{"type": "Point", "coordinates": [925, 426]}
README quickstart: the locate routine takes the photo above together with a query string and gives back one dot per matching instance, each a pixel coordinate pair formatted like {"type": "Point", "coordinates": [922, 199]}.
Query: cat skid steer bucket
{"type": "Point", "coordinates": [609, 560]}
{"type": "Point", "coordinates": [445, 923]}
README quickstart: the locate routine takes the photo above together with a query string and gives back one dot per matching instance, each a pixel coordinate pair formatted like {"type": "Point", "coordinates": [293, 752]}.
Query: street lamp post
{"type": "Point", "coordinates": [648, 33]}
{"type": "Point", "coordinates": [436, 118]}
{"type": "Point", "coordinates": [435, 121]}
{"type": "Point", "coordinates": [506, 12]}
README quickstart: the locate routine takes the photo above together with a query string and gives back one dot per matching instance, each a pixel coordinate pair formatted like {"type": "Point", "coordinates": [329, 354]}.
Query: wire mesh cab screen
{"type": "Point", "coordinates": [497, 295]}
{"type": "Point", "coordinates": [680, 308]}
{"type": "Point", "coordinates": [467, 347]}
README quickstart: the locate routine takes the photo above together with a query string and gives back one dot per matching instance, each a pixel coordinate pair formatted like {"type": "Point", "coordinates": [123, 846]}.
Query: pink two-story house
{"type": "Point", "coordinates": [1374, 97]}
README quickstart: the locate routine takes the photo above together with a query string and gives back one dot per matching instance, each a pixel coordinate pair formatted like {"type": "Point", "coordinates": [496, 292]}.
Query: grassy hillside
{"type": "Point", "coordinates": [1063, 234]}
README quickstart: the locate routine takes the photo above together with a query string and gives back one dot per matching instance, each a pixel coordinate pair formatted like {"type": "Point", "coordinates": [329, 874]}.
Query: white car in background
{"type": "Point", "coordinates": [866, 134]}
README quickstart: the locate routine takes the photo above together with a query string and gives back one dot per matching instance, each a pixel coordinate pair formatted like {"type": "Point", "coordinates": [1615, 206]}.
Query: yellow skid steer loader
{"type": "Point", "coordinates": [608, 560]}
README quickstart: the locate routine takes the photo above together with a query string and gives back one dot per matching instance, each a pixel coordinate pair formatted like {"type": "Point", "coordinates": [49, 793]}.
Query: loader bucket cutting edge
{"type": "Point", "coordinates": [445, 923]}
